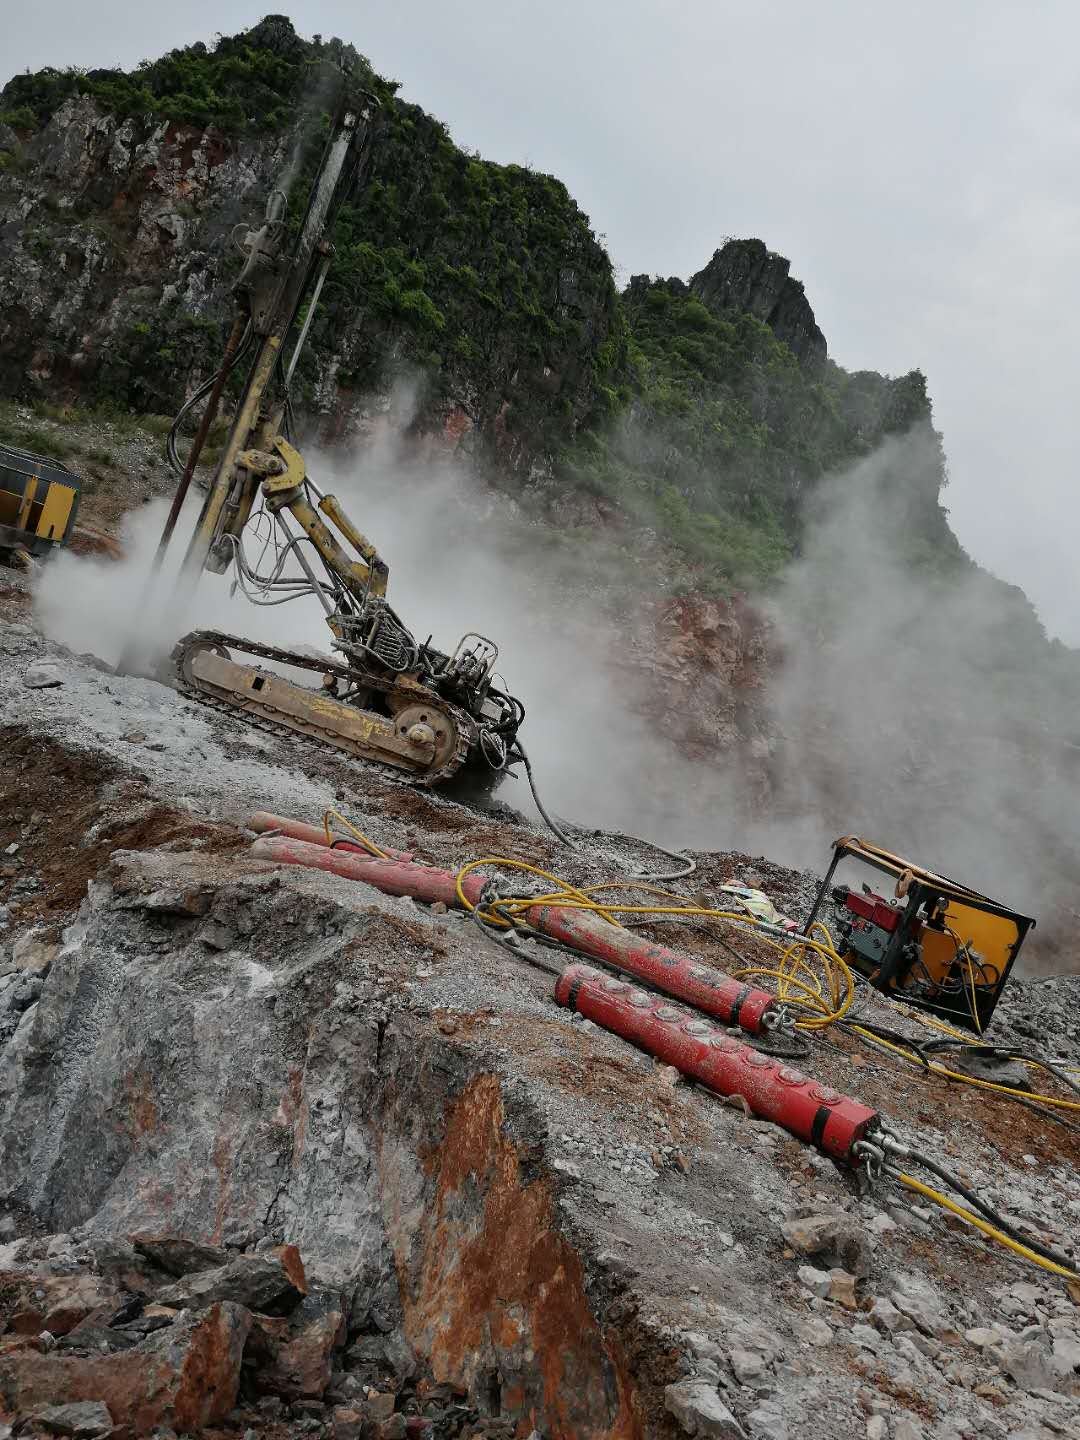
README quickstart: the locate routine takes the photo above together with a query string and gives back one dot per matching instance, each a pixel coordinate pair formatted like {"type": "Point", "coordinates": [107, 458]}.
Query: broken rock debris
{"type": "Point", "coordinates": [225, 1059]}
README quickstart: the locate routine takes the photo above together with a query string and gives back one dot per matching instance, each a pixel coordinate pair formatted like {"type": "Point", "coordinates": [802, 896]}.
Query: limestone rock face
{"type": "Point", "coordinates": [744, 275]}
{"type": "Point", "coordinates": [117, 258]}
{"type": "Point", "coordinates": [202, 1107]}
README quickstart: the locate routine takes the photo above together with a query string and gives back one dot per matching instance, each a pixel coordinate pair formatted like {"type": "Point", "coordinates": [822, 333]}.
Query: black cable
{"type": "Point", "coordinates": [1008, 1053]}
{"type": "Point", "coordinates": [893, 1037]}
{"type": "Point", "coordinates": [513, 711]}
{"type": "Point", "coordinates": [520, 753]}
{"type": "Point", "coordinates": [171, 452]}
{"type": "Point", "coordinates": [991, 1214]}
{"type": "Point", "coordinates": [493, 933]}
{"type": "Point", "coordinates": [688, 866]}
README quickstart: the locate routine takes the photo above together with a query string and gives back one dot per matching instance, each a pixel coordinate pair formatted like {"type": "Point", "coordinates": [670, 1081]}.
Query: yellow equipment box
{"type": "Point", "coordinates": [934, 943]}
{"type": "Point", "coordinates": [39, 499]}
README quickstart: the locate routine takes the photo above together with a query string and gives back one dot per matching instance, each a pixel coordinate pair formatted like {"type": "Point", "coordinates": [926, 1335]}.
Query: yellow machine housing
{"type": "Point", "coordinates": [39, 500]}
{"type": "Point", "coordinates": [935, 943]}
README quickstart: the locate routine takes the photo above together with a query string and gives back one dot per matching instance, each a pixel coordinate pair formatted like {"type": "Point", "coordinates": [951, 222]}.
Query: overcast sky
{"type": "Point", "coordinates": [917, 162]}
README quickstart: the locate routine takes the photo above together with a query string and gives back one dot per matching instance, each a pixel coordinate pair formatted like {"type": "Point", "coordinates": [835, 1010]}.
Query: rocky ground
{"type": "Point", "coordinates": [281, 1155]}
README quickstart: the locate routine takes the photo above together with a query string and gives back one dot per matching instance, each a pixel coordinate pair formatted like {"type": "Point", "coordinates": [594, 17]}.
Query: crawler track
{"type": "Point", "coordinates": [263, 716]}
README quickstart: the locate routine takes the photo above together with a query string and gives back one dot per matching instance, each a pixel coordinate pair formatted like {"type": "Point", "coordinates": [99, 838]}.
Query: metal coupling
{"type": "Point", "coordinates": [871, 1155]}
{"type": "Point", "coordinates": [780, 1019]}
{"type": "Point", "coordinates": [893, 1145]}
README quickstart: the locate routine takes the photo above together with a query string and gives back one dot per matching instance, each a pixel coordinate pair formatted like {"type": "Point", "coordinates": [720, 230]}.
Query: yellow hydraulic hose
{"type": "Point", "coordinates": [984, 1225]}
{"type": "Point", "coordinates": [798, 983]}
{"type": "Point", "coordinates": [368, 845]}
{"type": "Point", "coordinates": [577, 896]}
{"type": "Point", "coordinates": [966, 1079]}
{"type": "Point", "coordinates": [806, 992]}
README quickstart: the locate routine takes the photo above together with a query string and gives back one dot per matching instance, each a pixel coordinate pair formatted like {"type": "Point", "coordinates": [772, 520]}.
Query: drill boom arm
{"type": "Point", "coordinates": [271, 294]}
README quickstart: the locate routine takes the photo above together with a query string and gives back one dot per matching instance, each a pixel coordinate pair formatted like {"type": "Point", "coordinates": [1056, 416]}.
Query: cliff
{"type": "Point", "coordinates": [119, 194]}
{"type": "Point", "coordinates": [471, 300]}
{"type": "Point", "coordinates": [745, 277]}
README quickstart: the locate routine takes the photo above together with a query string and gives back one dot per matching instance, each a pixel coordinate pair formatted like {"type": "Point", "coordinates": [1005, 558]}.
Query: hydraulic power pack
{"type": "Point", "coordinates": [934, 943]}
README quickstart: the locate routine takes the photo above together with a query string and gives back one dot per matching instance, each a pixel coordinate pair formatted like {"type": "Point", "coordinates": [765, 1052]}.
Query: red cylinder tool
{"type": "Point", "coordinates": [775, 1091]}
{"type": "Point", "coordinates": [263, 820]}
{"type": "Point", "coordinates": [699, 985]}
{"type": "Point", "coordinates": [393, 877]}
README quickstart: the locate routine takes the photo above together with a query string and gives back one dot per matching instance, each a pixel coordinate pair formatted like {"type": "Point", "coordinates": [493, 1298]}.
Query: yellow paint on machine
{"type": "Point", "coordinates": [27, 501]}
{"type": "Point", "coordinates": [994, 937]}
{"type": "Point", "coordinates": [55, 511]}
{"type": "Point", "coordinates": [309, 710]}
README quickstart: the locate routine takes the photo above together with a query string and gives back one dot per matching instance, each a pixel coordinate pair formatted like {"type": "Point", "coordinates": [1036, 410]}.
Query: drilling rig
{"type": "Point", "coordinates": [390, 698]}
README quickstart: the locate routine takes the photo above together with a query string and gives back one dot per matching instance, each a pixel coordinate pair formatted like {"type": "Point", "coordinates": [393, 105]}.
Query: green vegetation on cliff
{"type": "Point", "coordinates": [727, 433]}
{"type": "Point", "coordinates": [485, 279]}
{"type": "Point", "coordinates": [245, 84]}
{"type": "Point", "coordinates": [661, 413]}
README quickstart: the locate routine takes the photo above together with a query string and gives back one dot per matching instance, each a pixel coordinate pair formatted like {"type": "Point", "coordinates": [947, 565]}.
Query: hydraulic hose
{"type": "Point", "coordinates": [555, 829]}
{"type": "Point", "coordinates": [686, 866]}
{"type": "Point", "coordinates": [1006, 1052]}
{"type": "Point", "coordinates": [641, 1011]}
{"type": "Point", "coordinates": [236, 347]}
{"type": "Point", "coordinates": [1025, 1095]}
{"type": "Point", "coordinates": [798, 983]}
{"type": "Point", "coordinates": [999, 1221]}
{"type": "Point", "coordinates": [1025, 1249]}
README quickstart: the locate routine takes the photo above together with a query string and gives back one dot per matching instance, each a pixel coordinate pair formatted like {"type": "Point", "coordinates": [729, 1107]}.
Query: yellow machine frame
{"type": "Point", "coordinates": [39, 499]}
{"type": "Point", "coordinates": [952, 948]}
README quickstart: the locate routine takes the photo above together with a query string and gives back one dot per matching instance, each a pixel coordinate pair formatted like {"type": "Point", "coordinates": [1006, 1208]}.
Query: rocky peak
{"type": "Point", "coordinates": [744, 275]}
{"type": "Point", "coordinates": [278, 34]}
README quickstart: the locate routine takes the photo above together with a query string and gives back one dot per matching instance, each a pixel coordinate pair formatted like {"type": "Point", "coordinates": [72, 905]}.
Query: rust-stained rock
{"type": "Point", "coordinates": [396, 1427]}
{"type": "Point", "coordinates": [703, 662]}
{"type": "Point", "coordinates": [267, 1333]}
{"type": "Point", "coordinates": [273, 1282]}
{"type": "Point", "coordinates": [842, 1289]}
{"type": "Point", "coordinates": [57, 1303]}
{"type": "Point", "coordinates": [11, 1343]}
{"type": "Point", "coordinates": [185, 1377]}
{"type": "Point", "coordinates": [833, 1235]}
{"type": "Point", "coordinates": [298, 1364]}
{"type": "Point", "coordinates": [179, 1256]}
{"type": "Point", "coordinates": [347, 1424]}
{"type": "Point", "coordinates": [380, 1405]}
{"type": "Point", "coordinates": [490, 1287]}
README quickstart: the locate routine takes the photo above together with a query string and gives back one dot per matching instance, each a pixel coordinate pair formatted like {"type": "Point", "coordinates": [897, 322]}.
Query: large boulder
{"type": "Point", "coordinates": [185, 1376]}
{"type": "Point", "coordinates": [273, 1283]}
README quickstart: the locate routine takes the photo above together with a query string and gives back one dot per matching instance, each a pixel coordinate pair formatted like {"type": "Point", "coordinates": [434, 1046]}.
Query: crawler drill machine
{"type": "Point", "coordinates": [390, 698]}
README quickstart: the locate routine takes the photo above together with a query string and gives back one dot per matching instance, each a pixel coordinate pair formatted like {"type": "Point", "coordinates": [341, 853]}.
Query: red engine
{"type": "Point", "coordinates": [869, 907]}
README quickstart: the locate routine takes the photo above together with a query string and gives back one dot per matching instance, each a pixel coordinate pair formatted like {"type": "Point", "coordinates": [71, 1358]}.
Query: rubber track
{"type": "Point", "coordinates": [196, 639]}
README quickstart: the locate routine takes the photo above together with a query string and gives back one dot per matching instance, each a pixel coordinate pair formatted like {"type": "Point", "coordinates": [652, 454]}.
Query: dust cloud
{"type": "Point", "coordinates": [99, 607]}
{"type": "Point", "coordinates": [912, 698]}
{"type": "Point", "coordinates": [461, 559]}
{"type": "Point", "coordinates": [918, 702]}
